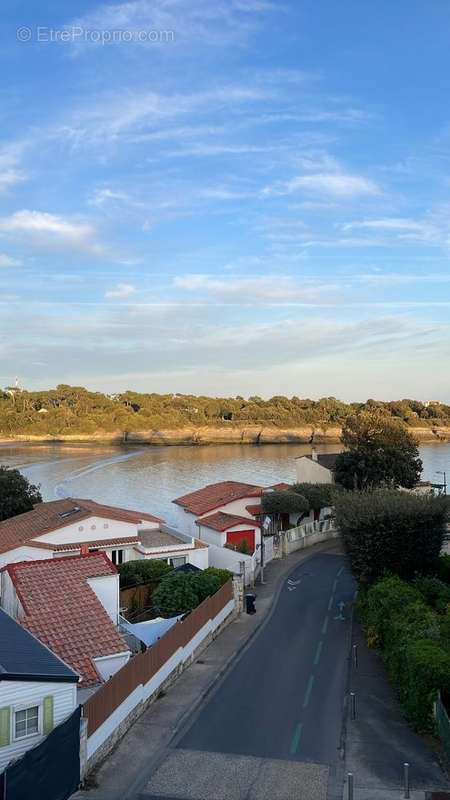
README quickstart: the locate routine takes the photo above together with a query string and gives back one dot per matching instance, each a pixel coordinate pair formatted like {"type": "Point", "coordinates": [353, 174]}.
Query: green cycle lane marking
{"type": "Point", "coordinates": [296, 738]}
{"type": "Point", "coordinates": [340, 572]}
{"type": "Point", "coordinates": [331, 603]}
{"type": "Point", "coordinates": [308, 691]}
{"type": "Point", "coordinates": [325, 625]}
{"type": "Point", "coordinates": [318, 653]}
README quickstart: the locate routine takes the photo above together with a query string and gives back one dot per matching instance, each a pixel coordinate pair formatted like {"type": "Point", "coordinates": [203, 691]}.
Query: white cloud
{"type": "Point", "coordinates": [10, 174]}
{"type": "Point", "coordinates": [121, 291]}
{"type": "Point", "coordinates": [7, 261]}
{"type": "Point", "coordinates": [269, 289]}
{"type": "Point", "coordinates": [337, 184]}
{"type": "Point", "coordinates": [49, 229]}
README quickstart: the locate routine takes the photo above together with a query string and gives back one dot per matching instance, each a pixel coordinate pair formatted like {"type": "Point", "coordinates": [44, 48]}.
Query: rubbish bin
{"type": "Point", "coordinates": [250, 603]}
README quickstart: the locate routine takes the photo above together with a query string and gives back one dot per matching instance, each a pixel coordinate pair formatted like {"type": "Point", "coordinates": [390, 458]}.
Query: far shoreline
{"type": "Point", "coordinates": [207, 436]}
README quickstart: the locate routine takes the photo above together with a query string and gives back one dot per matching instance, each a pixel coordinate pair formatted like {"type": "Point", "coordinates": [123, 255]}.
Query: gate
{"type": "Point", "coordinates": [51, 770]}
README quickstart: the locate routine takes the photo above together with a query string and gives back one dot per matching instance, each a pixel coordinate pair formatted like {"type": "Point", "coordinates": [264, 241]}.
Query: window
{"type": "Point", "coordinates": [26, 722]}
{"type": "Point", "coordinates": [178, 561]}
{"type": "Point", "coordinates": [117, 556]}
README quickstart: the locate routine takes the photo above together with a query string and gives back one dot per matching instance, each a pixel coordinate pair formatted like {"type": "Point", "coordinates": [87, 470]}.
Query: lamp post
{"type": "Point", "coordinates": [442, 472]}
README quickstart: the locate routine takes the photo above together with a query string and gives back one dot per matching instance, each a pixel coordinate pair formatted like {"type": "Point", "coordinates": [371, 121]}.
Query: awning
{"type": "Point", "coordinates": [152, 630]}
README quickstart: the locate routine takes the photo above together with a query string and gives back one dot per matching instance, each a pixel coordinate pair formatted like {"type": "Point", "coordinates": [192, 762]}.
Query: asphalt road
{"type": "Point", "coordinates": [284, 697]}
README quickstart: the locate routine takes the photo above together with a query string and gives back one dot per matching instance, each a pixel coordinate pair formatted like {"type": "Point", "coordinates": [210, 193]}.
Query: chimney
{"type": "Point", "coordinates": [314, 454]}
{"type": "Point", "coordinates": [84, 550]}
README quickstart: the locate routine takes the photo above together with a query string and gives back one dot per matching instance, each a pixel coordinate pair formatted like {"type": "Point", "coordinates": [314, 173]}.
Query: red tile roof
{"type": "Point", "coordinates": [254, 510]}
{"type": "Point", "coordinates": [48, 517]}
{"type": "Point", "coordinates": [61, 609]}
{"type": "Point", "coordinates": [222, 521]}
{"type": "Point", "coordinates": [216, 495]}
{"type": "Point", "coordinates": [89, 543]}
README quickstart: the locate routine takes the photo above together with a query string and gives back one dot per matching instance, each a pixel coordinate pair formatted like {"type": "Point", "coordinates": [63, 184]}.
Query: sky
{"type": "Point", "coordinates": [229, 197]}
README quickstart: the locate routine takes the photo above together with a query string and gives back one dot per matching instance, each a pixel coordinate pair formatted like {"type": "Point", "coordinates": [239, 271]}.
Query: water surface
{"type": "Point", "coordinates": [148, 478]}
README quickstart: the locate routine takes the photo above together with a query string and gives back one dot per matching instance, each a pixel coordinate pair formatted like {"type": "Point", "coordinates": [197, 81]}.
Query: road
{"type": "Point", "coordinates": [281, 702]}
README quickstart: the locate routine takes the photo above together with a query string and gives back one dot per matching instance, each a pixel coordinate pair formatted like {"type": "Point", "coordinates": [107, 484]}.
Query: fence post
{"type": "Point", "coordinates": [355, 656]}
{"type": "Point", "coordinates": [350, 785]}
{"type": "Point", "coordinates": [406, 780]}
{"type": "Point", "coordinates": [353, 705]}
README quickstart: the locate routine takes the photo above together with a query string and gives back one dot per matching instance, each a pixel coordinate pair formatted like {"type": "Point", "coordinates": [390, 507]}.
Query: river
{"type": "Point", "coordinates": [149, 478]}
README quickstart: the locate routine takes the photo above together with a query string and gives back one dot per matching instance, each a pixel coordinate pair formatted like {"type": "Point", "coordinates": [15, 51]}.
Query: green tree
{"type": "Point", "coordinates": [176, 594]}
{"type": "Point", "coordinates": [318, 495]}
{"type": "Point", "coordinates": [284, 502]}
{"type": "Point", "coordinates": [17, 494]}
{"type": "Point", "coordinates": [381, 452]}
{"type": "Point", "coordinates": [135, 573]}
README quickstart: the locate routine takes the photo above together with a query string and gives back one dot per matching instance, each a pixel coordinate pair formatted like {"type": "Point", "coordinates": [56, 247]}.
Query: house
{"type": "Point", "coordinates": [70, 604]}
{"type": "Point", "coordinates": [223, 529]}
{"type": "Point", "coordinates": [316, 468]}
{"type": "Point", "coordinates": [38, 691]}
{"type": "Point", "coordinates": [73, 526]}
{"type": "Point", "coordinates": [225, 515]}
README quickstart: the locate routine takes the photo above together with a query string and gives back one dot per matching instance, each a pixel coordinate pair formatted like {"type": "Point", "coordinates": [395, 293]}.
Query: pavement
{"type": "Point", "coordinates": [379, 741]}
{"type": "Point", "coordinates": [262, 715]}
{"type": "Point", "coordinates": [125, 773]}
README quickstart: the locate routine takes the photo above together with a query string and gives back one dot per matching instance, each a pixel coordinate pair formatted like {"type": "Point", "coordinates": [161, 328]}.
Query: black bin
{"type": "Point", "coordinates": [250, 603]}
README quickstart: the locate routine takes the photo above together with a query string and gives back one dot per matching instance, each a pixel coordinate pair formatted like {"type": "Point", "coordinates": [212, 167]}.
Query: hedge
{"type": "Point", "coordinates": [135, 573]}
{"type": "Point", "coordinates": [413, 641]}
{"type": "Point", "coordinates": [388, 529]}
{"type": "Point", "coordinates": [284, 502]}
{"type": "Point", "coordinates": [318, 495]}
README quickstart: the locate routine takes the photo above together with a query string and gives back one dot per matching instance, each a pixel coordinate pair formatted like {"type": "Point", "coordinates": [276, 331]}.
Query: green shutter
{"type": "Point", "coordinates": [5, 726]}
{"type": "Point", "coordinates": [48, 714]}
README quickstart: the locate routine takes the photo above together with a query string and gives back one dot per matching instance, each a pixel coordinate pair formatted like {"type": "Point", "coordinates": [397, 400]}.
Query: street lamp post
{"type": "Point", "coordinates": [442, 472]}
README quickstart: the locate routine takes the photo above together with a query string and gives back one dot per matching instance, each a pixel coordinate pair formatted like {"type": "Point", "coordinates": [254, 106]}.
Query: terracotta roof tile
{"type": "Point", "coordinates": [216, 495]}
{"type": "Point", "coordinates": [222, 521]}
{"type": "Point", "coordinates": [61, 609]}
{"type": "Point", "coordinates": [47, 517]}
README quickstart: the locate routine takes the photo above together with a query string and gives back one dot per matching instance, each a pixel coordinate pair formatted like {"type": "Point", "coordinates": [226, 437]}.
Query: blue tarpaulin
{"type": "Point", "coordinates": [149, 632]}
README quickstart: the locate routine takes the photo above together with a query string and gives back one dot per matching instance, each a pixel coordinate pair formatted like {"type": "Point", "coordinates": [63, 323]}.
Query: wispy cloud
{"type": "Point", "coordinates": [336, 184]}
{"type": "Point", "coordinates": [7, 261]}
{"type": "Point", "coordinates": [122, 291]}
{"type": "Point", "coordinates": [49, 230]}
{"type": "Point", "coordinates": [269, 289]}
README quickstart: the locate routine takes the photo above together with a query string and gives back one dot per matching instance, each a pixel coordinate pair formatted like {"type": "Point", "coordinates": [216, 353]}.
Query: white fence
{"type": "Point", "coordinates": [309, 534]}
{"type": "Point", "coordinates": [238, 563]}
{"type": "Point", "coordinates": [269, 551]}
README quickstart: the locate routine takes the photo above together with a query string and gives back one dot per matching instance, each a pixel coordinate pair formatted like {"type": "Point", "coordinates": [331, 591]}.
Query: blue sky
{"type": "Point", "coordinates": [237, 197]}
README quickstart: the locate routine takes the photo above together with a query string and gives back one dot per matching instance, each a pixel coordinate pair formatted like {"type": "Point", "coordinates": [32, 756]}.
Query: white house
{"type": "Point", "coordinates": [74, 526]}
{"type": "Point", "coordinates": [38, 691]}
{"type": "Point", "coordinates": [71, 605]}
{"type": "Point", "coordinates": [316, 468]}
{"type": "Point", "coordinates": [224, 515]}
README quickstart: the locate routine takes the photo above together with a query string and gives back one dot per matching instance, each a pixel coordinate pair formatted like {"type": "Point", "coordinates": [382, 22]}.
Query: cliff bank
{"type": "Point", "coordinates": [307, 434]}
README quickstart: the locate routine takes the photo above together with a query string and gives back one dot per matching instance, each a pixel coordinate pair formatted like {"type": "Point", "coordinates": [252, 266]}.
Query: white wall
{"type": "Point", "coordinates": [229, 559]}
{"type": "Point", "coordinates": [23, 554]}
{"type": "Point", "coordinates": [143, 692]}
{"type": "Point", "coordinates": [185, 521]}
{"type": "Point", "coordinates": [106, 587]}
{"type": "Point", "coordinates": [23, 694]}
{"type": "Point", "coordinates": [109, 665]}
{"type": "Point", "coordinates": [93, 528]}
{"type": "Point", "coordinates": [309, 471]}
{"type": "Point", "coordinates": [210, 536]}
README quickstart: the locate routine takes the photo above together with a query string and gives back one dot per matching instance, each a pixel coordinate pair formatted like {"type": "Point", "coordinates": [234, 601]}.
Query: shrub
{"type": "Point", "coordinates": [443, 568]}
{"type": "Point", "coordinates": [135, 573]}
{"type": "Point", "coordinates": [384, 601]}
{"type": "Point", "coordinates": [176, 594]}
{"type": "Point", "coordinates": [205, 585]}
{"type": "Point", "coordinates": [435, 592]}
{"type": "Point", "coordinates": [426, 669]}
{"type": "Point", "coordinates": [284, 502]}
{"type": "Point", "coordinates": [386, 528]}
{"type": "Point", "coordinates": [223, 575]}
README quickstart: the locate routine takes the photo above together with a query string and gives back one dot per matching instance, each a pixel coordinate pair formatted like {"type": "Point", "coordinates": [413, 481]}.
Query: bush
{"type": "Point", "coordinates": [435, 592]}
{"type": "Point", "coordinates": [175, 594]}
{"type": "Point", "coordinates": [318, 495]}
{"type": "Point", "coordinates": [386, 528]}
{"type": "Point", "coordinates": [408, 631]}
{"type": "Point", "coordinates": [223, 575]}
{"type": "Point", "coordinates": [135, 573]}
{"type": "Point", "coordinates": [181, 592]}
{"type": "Point", "coordinates": [443, 568]}
{"type": "Point", "coordinates": [284, 502]}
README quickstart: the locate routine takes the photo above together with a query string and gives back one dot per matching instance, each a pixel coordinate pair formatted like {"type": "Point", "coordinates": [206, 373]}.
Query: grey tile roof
{"type": "Point", "coordinates": [23, 657]}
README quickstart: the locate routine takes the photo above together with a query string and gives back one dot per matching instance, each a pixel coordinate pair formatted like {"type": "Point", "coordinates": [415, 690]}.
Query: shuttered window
{"type": "Point", "coordinates": [5, 726]}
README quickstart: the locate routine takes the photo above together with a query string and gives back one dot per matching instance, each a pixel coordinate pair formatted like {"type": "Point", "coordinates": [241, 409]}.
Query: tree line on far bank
{"type": "Point", "coordinates": [74, 410]}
